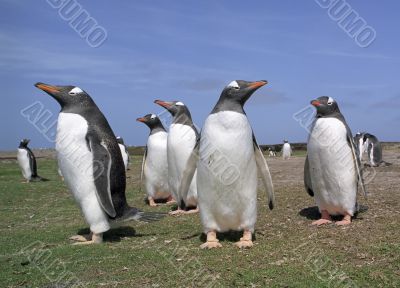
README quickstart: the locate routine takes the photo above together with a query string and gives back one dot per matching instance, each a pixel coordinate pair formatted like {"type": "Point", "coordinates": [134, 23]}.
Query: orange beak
{"type": "Point", "coordinates": [163, 103]}
{"type": "Point", "coordinates": [47, 88]}
{"type": "Point", "coordinates": [141, 119]}
{"type": "Point", "coordinates": [315, 103]}
{"type": "Point", "coordinates": [258, 84]}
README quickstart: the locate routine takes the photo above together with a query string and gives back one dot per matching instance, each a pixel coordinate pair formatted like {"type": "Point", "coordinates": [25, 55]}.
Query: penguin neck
{"type": "Point", "coordinates": [183, 118]}
{"type": "Point", "coordinates": [226, 104]}
{"type": "Point", "coordinates": [157, 129]}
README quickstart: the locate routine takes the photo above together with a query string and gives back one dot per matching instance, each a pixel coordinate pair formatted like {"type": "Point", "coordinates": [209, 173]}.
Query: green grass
{"type": "Point", "coordinates": [38, 218]}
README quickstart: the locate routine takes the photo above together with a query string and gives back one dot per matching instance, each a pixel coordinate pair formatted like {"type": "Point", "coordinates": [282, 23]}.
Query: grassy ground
{"type": "Point", "coordinates": [38, 218]}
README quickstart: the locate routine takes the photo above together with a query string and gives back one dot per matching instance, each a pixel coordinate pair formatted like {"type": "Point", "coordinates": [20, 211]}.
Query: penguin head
{"type": "Point", "coordinates": [66, 95]}
{"type": "Point", "coordinates": [24, 143]}
{"type": "Point", "coordinates": [120, 140]}
{"type": "Point", "coordinates": [151, 120]}
{"type": "Point", "coordinates": [325, 106]}
{"type": "Point", "coordinates": [240, 91]}
{"type": "Point", "coordinates": [176, 108]}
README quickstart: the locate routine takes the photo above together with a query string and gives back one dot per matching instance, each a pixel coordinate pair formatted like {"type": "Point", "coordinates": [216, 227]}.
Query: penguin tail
{"type": "Point", "coordinates": [39, 179]}
{"type": "Point", "coordinates": [137, 215]}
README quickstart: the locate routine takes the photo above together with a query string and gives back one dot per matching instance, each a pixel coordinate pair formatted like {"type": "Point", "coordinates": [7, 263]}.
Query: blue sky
{"type": "Point", "coordinates": [189, 50]}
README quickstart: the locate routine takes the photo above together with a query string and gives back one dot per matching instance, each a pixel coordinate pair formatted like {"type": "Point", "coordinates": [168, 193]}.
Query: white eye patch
{"type": "Point", "coordinates": [233, 84]}
{"type": "Point", "coordinates": [179, 104]}
{"type": "Point", "coordinates": [330, 101]}
{"type": "Point", "coordinates": [153, 116]}
{"type": "Point", "coordinates": [75, 91]}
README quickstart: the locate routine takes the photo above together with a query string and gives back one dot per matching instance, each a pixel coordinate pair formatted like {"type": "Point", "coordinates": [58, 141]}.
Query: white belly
{"type": "Point", "coordinates": [125, 156]}
{"type": "Point", "coordinates": [23, 161]}
{"type": "Point", "coordinates": [181, 141]}
{"type": "Point", "coordinates": [332, 168]}
{"type": "Point", "coordinates": [227, 173]}
{"type": "Point", "coordinates": [156, 167]}
{"type": "Point", "coordinates": [76, 164]}
{"type": "Point", "coordinates": [286, 151]}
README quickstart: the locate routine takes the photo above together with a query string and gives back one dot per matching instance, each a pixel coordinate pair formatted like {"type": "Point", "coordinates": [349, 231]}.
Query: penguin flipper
{"type": "Point", "coordinates": [142, 171]}
{"type": "Point", "coordinates": [102, 161]}
{"type": "Point", "coordinates": [188, 173]}
{"type": "Point", "coordinates": [357, 163]}
{"type": "Point", "coordinates": [307, 179]}
{"type": "Point", "coordinates": [264, 172]}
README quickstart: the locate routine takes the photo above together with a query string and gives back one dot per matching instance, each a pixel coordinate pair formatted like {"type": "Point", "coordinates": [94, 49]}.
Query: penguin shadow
{"type": "Point", "coordinates": [157, 201]}
{"type": "Point", "coordinates": [230, 236]}
{"type": "Point", "coordinates": [312, 213]}
{"type": "Point", "coordinates": [117, 234]}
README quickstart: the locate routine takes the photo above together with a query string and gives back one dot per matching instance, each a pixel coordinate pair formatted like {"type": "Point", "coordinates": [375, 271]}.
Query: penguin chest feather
{"type": "Point", "coordinates": [227, 173]}
{"type": "Point", "coordinates": [156, 166]}
{"type": "Point", "coordinates": [181, 141]}
{"type": "Point", "coordinates": [76, 164]}
{"type": "Point", "coordinates": [332, 167]}
{"type": "Point", "coordinates": [23, 161]}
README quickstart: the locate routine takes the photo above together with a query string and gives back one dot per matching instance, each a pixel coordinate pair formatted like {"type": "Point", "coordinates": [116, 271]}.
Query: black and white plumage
{"type": "Point", "coordinates": [227, 158]}
{"type": "Point", "coordinates": [27, 162]}
{"type": "Point", "coordinates": [361, 144]}
{"type": "Point", "coordinates": [155, 161]}
{"type": "Point", "coordinates": [124, 152]}
{"type": "Point", "coordinates": [182, 138]}
{"type": "Point", "coordinates": [91, 162]}
{"type": "Point", "coordinates": [374, 149]}
{"type": "Point", "coordinates": [286, 150]}
{"type": "Point", "coordinates": [332, 168]}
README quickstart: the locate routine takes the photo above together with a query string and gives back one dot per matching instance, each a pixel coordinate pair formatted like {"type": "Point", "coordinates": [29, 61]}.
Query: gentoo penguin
{"type": "Point", "coordinates": [155, 162]}
{"type": "Point", "coordinates": [374, 149]}
{"type": "Point", "coordinates": [27, 162]}
{"type": "Point", "coordinates": [182, 138]}
{"type": "Point", "coordinates": [124, 152]}
{"type": "Point", "coordinates": [91, 162]}
{"type": "Point", "coordinates": [227, 157]}
{"type": "Point", "coordinates": [272, 151]}
{"type": "Point", "coordinates": [332, 167]}
{"type": "Point", "coordinates": [286, 150]}
{"type": "Point", "coordinates": [360, 144]}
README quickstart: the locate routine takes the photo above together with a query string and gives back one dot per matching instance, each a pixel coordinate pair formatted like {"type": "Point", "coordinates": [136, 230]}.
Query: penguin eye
{"type": "Point", "coordinates": [330, 103]}
{"type": "Point", "coordinates": [153, 116]}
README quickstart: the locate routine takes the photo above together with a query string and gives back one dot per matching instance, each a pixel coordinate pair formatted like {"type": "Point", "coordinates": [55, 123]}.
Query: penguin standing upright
{"type": "Point", "coordinates": [155, 162]}
{"type": "Point", "coordinates": [374, 149]}
{"type": "Point", "coordinates": [360, 144]}
{"type": "Point", "coordinates": [91, 162]}
{"type": "Point", "coordinates": [227, 159]}
{"type": "Point", "coordinates": [286, 150]}
{"type": "Point", "coordinates": [124, 152]}
{"type": "Point", "coordinates": [332, 167]}
{"type": "Point", "coordinates": [182, 138]}
{"type": "Point", "coordinates": [27, 162]}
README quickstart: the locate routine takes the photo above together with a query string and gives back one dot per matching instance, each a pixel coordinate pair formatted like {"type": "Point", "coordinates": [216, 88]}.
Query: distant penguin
{"type": "Point", "coordinates": [27, 162]}
{"type": "Point", "coordinates": [227, 158]}
{"type": "Point", "coordinates": [286, 150]}
{"type": "Point", "coordinates": [374, 150]}
{"type": "Point", "coordinates": [91, 163]}
{"type": "Point", "coordinates": [332, 167]}
{"type": "Point", "coordinates": [272, 151]}
{"type": "Point", "coordinates": [360, 144]}
{"type": "Point", "coordinates": [182, 138]}
{"type": "Point", "coordinates": [155, 162]}
{"type": "Point", "coordinates": [124, 152]}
